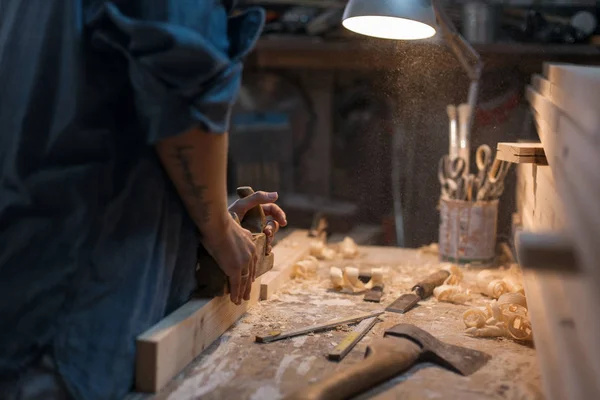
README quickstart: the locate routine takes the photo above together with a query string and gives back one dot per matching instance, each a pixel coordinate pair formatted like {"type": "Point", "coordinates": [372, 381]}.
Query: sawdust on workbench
{"type": "Point", "coordinates": [236, 367]}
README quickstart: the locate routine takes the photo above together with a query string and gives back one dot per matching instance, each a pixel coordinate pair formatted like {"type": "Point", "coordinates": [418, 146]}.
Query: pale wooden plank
{"type": "Point", "coordinates": [586, 114]}
{"type": "Point", "coordinates": [581, 82]}
{"type": "Point", "coordinates": [169, 346]}
{"type": "Point", "coordinates": [521, 153]}
{"type": "Point", "coordinates": [565, 321]}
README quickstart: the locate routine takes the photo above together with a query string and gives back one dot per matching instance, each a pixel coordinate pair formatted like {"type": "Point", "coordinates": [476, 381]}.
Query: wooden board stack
{"type": "Point", "coordinates": [564, 198]}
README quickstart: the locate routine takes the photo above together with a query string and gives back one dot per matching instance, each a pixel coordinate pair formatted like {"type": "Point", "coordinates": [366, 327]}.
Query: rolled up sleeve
{"type": "Point", "coordinates": [180, 76]}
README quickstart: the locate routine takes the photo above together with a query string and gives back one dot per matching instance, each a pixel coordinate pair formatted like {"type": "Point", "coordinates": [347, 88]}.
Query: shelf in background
{"type": "Point", "coordinates": [314, 53]}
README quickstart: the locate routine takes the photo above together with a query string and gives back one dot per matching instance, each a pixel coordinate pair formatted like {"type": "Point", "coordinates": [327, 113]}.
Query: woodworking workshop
{"type": "Point", "coordinates": [299, 199]}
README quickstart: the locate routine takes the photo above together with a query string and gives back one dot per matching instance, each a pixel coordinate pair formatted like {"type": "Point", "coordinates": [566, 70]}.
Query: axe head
{"type": "Point", "coordinates": [456, 358]}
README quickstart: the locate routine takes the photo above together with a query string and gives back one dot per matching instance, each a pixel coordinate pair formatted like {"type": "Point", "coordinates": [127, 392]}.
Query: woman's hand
{"type": "Point", "coordinates": [275, 215]}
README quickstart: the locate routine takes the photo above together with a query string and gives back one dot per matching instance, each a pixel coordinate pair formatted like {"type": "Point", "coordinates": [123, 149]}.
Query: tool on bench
{"type": "Point", "coordinates": [419, 292]}
{"type": "Point", "coordinates": [401, 347]}
{"type": "Point", "coordinates": [277, 335]}
{"type": "Point", "coordinates": [348, 343]}
{"type": "Point", "coordinates": [212, 281]}
{"type": "Point", "coordinates": [374, 294]}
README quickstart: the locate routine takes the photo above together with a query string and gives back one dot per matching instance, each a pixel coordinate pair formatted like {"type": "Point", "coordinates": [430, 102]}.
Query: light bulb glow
{"type": "Point", "coordinates": [389, 27]}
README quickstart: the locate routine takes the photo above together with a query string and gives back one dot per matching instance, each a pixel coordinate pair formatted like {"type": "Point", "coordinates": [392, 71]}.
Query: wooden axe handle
{"type": "Point", "coordinates": [386, 358]}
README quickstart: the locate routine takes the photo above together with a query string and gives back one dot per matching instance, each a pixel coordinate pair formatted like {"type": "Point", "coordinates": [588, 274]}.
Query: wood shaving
{"type": "Point", "coordinates": [508, 317]}
{"type": "Point", "coordinates": [450, 291]}
{"type": "Point", "coordinates": [320, 250]}
{"type": "Point", "coordinates": [474, 318]}
{"type": "Point", "coordinates": [306, 268]}
{"type": "Point", "coordinates": [348, 248]}
{"type": "Point", "coordinates": [495, 283]}
{"type": "Point", "coordinates": [451, 294]}
{"type": "Point", "coordinates": [347, 280]}
{"type": "Point", "coordinates": [456, 274]}
{"type": "Point", "coordinates": [432, 248]}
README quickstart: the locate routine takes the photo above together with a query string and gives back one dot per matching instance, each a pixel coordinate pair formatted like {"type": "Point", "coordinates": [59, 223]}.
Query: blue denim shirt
{"type": "Point", "coordinates": [95, 245]}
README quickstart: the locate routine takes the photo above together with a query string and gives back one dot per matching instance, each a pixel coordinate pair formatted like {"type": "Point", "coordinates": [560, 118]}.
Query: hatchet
{"type": "Point", "coordinates": [401, 347]}
{"type": "Point", "coordinates": [211, 279]}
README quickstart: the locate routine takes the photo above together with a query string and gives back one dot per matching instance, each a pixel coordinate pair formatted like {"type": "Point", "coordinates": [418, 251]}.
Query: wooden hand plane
{"type": "Point", "coordinates": [212, 281]}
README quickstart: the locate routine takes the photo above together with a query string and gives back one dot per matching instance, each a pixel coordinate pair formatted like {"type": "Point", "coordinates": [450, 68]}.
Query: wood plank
{"type": "Point", "coordinates": [287, 252]}
{"type": "Point", "coordinates": [521, 153]}
{"type": "Point", "coordinates": [169, 346]}
{"type": "Point", "coordinates": [569, 134]}
{"type": "Point", "coordinates": [581, 82]}
{"type": "Point", "coordinates": [569, 103]}
{"type": "Point", "coordinates": [566, 368]}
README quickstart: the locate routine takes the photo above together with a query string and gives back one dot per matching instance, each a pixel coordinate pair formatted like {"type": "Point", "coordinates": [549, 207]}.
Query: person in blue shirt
{"type": "Point", "coordinates": [113, 148]}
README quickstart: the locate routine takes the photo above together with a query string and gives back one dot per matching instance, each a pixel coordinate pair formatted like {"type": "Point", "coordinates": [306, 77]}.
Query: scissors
{"type": "Point", "coordinates": [493, 187]}
{"type": "Point", "coordinates": [450, 172]}
{"type": "Point", "coordinates": [483, 159]}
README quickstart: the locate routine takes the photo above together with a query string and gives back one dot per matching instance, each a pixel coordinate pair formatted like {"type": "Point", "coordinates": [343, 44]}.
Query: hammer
{"type": "Point", "coordinates": [211, 280]}
{"type": "Point", "coordinates": [402, 346]}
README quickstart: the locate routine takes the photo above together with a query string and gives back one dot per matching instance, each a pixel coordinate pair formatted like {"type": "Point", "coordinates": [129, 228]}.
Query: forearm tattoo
{"type": "Point", "coordinates": [192, 190]}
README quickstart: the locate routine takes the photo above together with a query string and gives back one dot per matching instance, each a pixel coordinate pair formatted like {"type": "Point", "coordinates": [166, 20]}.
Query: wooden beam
{"type": "Point", "coordinates": [168, 347]}
{"type": "Point", "coordinates": [522, 153]}
{"type": "Point", "coordinates": [290, 250]}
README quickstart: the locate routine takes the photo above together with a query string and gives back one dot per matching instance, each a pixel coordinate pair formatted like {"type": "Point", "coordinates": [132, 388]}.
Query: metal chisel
{"type": "Point", "coordinates": [420, 291]}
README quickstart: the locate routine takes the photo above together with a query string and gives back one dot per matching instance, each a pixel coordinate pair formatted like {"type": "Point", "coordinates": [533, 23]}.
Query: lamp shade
{"type": "Point", "coordinates": [390, 19]}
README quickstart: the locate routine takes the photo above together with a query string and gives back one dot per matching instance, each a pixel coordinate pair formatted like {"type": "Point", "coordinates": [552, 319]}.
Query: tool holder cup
{"type": "Point", "coordinates": [468, 231]}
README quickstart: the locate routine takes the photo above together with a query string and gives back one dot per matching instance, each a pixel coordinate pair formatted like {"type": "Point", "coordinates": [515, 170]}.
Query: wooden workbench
{"type": "Point", "coordinates": [235, 367]}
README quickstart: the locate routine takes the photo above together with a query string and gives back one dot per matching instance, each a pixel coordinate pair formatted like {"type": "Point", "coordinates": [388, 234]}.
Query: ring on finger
{"type": "Point", "coordinates": [245, 274]}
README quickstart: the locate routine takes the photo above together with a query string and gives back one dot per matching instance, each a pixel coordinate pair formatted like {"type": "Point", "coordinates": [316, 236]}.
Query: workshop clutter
{"type": "Point", "coordinates": [468, 202]}
{"type": "Point", "coordinates": [319, 250]}
{"type": "Point", "coordinates": [507, 316]}
{"type": "Point", "coordinates": [351, 280]}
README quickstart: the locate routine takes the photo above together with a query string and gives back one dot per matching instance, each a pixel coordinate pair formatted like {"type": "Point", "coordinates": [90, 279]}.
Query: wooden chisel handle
{"type": "Point", "coordinates": [385, 359]}
{"type": "Point", "coordinates": [425, 288]}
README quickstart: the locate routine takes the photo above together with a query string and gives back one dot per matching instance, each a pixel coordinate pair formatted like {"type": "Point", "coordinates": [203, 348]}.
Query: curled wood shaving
{"type": "Point", "coordinates": [351, 277]}
{"type": "Point", "coordinates": [306, 268]}
{"type": "Point", "coordinates": [348, 248]}
{"type": "Point", "coordinates": [337, 278]}
{"type": "Point", "coordinates": [513, 284]}
{"type": "Point", "coordinates": [474, 318]}
{"type": "Point", "coordinates": [495, 284]}
{"type": "Point", "coordinates": [432, 248]}
{"type": "Point", "coordinates": [456, 274]}
{"type": "Point", "coordinates": [376, 276]}
{"type": "Point", "coordinates": [320, 250]}
{"type": "Point", "coordinates": [348, 279]}
{"type": "Point", "coordinates": [496, 288]}
{"type": "Point", "coordinates": [451, 294]}
{"type": "Point", "coordinates": [506, 317]}
{"type": "Point", "coordinates": [512, 298]}
{"type": "Point", "coordinates": [519, 327]}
